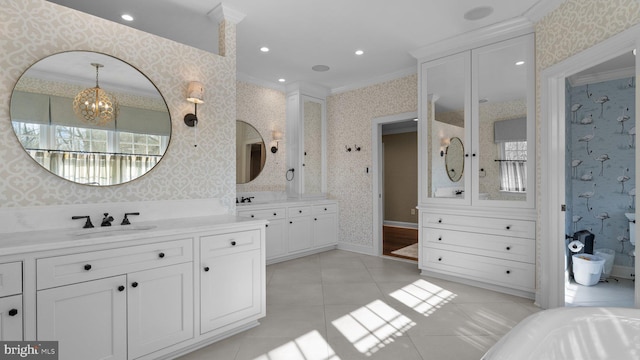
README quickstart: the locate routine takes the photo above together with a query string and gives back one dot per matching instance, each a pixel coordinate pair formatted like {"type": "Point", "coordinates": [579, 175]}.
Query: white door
{"type": "Point", "coordinates": [160, 308]}
{"type": "Point", "coordinates": [230, 289]}
{"type": "Point", "coordinates": [11, 318]}
{"type": "Point", "coordinates": [299, 233]}
{"type": "Point", "coordinates": [87, 319]}
{"type": "Point", "coordinates": [325, 229]}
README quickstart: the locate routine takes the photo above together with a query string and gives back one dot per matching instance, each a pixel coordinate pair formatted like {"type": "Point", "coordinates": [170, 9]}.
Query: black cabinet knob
{"type": "Point", "coordinates": [325, 209]}
{"type": "Point", "coordinates": [508, 271]}
{"type": "Point", "coordinates": [474, 155]}
{"type": "Point", "coordinates": [267, 225]}
{"type": "Point", "coordinates": [508, 227]}
{"type": "Point", "coordinates": [466, 155]}
{"type": "Point", "coordinates": [439, 221]}
{"type": "Point", "coordinates": [508, 247]}
{"type": "Point", "coordinates": [253, 216]}
{"type": "Point", "coordinates": [440, 238]}
{"type": "Point", "coordinates": [440, 259]}
{"type": "Point", "coordinates": [121, 288]}
{"type": "Point", "coordinates": [274, 214]}
{"type": "Point", "coordinates": [233, 243]}
{"type": "Point", "coordinates": [300, 211]}
{"type": "Point", "coordinates": [161, 255]}
{"type": "Point", "coordinates": [315, 219]}
{"type": "Point", "coordinates": [206, 269]}
{"type": "Point", "coordinates": [290, 222]}
{"type": "Point", "coordinates": [13, 312]}
{"type": "Point", "coordinates": [134, 284]}
{"type": "Point", "coordinates": [87, 267]}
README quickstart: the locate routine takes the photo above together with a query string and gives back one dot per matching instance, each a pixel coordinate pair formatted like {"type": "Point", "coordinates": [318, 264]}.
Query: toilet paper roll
{"type": "Point", "coordinates": [575, 246]}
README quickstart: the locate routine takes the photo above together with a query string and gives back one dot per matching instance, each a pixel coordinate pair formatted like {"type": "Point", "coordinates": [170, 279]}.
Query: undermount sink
{"type": "Point", "coordinates": [112, 231]}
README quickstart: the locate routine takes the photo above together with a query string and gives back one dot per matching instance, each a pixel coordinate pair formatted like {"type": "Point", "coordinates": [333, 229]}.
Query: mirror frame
{"type": "Point", "coordinates": [119, 61]}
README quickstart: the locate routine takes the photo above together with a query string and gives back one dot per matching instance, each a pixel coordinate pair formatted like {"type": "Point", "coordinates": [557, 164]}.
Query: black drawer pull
{"type": "Point", "coordinates": [290, 222]}
{"type": "Point", "coordinates": [134, 284]}
{"type": "Point", "coordinates": [161, 255]}
{"type": "Point", "coordinates": [253, 216]}
{"type": "Point", "coordinates": [508, 227]}
{"type": "Point", "coordinates": [206, 269]}
{"type": "Point", "coordinates": [121, 288]}
{"type": "Point", "coordinates": [87, 267]}
{"type": "Point", "coordinates": [267, 225]}
{"type": "Point", "coordinates": [274, 214]}
{"type": "Point", "coordinates": [439, 221]}
{"type": "Point", "coordinates": [508, 271]}
{"type": "Point", "coordinates": [440, 258]}
{"type": "Point", "coordinates": [300, 211]}
{"type": "Point", "coordinates": [440, 238]}
{"type": "Point", "coordinates": [233, 243]}
{"type": "Point", "coordinates": [508, 248]}
{"type": "Point", "coordinates": [315, 219]}
{"type": "Point", "coordinates": [13, 312]}
{"type": "Point", "coordinates": [325, 209]}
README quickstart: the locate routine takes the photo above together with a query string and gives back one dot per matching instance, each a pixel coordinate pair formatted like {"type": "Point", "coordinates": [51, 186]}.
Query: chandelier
{"type": "Point", "coordinates": [94, 105]}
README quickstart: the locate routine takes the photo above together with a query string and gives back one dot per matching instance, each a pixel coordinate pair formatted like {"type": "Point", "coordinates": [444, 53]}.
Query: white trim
{"type": "Point", "coordinates": [259, 82]}
{"type": "Point", "coordinates": [541, 9]}
{"type": "Point", "coordinates": [223, 12]}
{"type": "Point", "coordinates": [313, 90]}
{"type": "Point", "coordinates": [474, 39]}
{"type": "Point", "coordinates": [623, 272]}
{"type": "Point", "coordinates": [375, 80]}
{"type": "Point", "coordinates": [579, 80]}
{"type": "Point", "coordinates": [376, 154]}
{"type": "Point", "coordinates": [360, 249]}
{"type": "Point", "coordinates": [550, 294]}
{"type": "Point", "coordinates": [400, 224]}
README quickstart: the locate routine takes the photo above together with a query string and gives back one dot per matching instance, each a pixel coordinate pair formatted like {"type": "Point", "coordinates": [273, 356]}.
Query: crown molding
{"type": "Point", "coordinates": [541, 9]}
{"type": "Point", "coordinates": [259, 82]}
{"type": "Point", "coordinates": [375, 80]}
{"type": "Point", "coordinates": [222, 12]}
{"type": "Point", "coordinates": [579, 80]}
{"type": "Point", "coordinates": [309, 89]}
{"type": "Point", "coordinates": [473, 39]}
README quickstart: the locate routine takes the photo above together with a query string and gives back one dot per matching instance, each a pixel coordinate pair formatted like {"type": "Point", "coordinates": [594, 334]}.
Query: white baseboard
{"type": "Point", "coordinates": [623, 272]}
{"type": "Point", "coordinates": [400, 224]}
{"type": "Point", "coordinates": [361, 249]}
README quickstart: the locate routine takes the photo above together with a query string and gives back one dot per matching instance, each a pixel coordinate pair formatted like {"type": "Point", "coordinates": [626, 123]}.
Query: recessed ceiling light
{"type": "Point", "coordinates": [320, 68]}
{"type": "Point", "coordinates": [518, 63]}
{"type": "Point", "coordinates": [359, 52]}
{"type": "Point", "coordinates": [282, 80]}
{"type": "Point", "coordinates": [478, 13]}
{"type": "Point", "coordinates": [127, 17]}
{"type": "Point", "coordinates": [264, 49]}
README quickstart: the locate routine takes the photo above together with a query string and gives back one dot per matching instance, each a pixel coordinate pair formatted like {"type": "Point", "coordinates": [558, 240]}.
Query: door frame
{"type": "Point", "coordinates": [551, 279]}
{"type": "Point", "coordinates": [376, 169]}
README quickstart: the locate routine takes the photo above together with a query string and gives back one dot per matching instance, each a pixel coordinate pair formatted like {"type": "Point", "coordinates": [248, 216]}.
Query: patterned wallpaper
{"type": "Point", "coordinates": [33, 29]}
{"type": "Point", "coordinates": [349, 117]}
{"type": "Point", "coordinates": [264, 108]}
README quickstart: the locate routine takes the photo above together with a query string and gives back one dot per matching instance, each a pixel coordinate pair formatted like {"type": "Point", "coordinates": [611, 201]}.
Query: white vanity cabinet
{"type": "Point", "coordinates": [130, 312]}
{"type": "Point", "coordinates": [11, 301]}
{"type": "Point", "coordinates": [232, 279]}
{"type": "Point", "coordinates": [296, 228]}
{"type": "Point", "coordinates": [477, 205]}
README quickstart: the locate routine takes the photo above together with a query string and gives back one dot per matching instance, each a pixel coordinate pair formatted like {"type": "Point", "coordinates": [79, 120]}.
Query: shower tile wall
{"type": "Point", "coordinates": [601, 162]}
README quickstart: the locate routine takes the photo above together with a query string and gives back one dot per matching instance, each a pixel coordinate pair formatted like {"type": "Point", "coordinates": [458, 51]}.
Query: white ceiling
{"type": "Point", "coordinates": [303, 33]}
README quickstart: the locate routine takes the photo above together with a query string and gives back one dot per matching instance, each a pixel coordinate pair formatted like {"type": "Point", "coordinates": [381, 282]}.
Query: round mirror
{"type": "Point", "coordinates": [90, 118]}
{"type": "Point", "coordinates": [454, 159]}
{"type": "Point", "coordinates": [250, 152]}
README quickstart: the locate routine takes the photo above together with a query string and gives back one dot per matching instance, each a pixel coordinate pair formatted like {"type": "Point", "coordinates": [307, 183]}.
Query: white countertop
{"type": "Point", "coordinates": [287, 202]}
{"type": "Point", "coordinates": [42, 240]}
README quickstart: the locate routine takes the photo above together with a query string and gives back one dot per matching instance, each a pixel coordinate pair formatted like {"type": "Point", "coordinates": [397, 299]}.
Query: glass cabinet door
{"type": "Point", "coordinates": [445, 114]}
{"type": "Point", "coordinates": [312, 155]}
{"type": "Point", "coordinates": [503, 126]}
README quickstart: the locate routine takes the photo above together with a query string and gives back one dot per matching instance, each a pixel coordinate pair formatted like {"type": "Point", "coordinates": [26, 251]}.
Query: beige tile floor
{"type": "Point", "coordinates": [340, 305]}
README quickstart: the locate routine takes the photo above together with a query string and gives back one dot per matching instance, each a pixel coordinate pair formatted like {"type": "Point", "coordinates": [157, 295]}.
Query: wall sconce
{"type": "Point", "coordinates": [195, 94]}
{"type": "Point", "coordinates": [277, 136]}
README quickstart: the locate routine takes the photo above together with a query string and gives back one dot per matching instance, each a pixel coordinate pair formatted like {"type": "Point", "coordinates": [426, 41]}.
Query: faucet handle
{"type": "Point", "coordinates": [87, 224]}
{"type": "Point", "coordinates": [126, 221]}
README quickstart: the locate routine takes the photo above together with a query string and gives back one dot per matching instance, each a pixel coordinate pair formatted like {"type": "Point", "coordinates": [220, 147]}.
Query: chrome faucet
{"type": "Point", "coordinates": [106, 221]}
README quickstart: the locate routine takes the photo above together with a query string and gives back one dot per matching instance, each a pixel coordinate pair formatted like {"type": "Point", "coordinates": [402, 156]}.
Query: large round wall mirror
{"type": "Point", "coordinates": [250, 152]}
{"type": "Point", "coordinates": [90, 118]}
{"type": "Point", "coordinates": [454, 159]}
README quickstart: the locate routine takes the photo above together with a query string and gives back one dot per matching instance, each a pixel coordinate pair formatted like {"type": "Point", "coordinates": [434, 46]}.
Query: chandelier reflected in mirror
{"type": "Point", "coordinates": [94, 105]}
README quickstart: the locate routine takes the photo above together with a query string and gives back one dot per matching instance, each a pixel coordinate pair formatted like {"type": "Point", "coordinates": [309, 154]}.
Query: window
{"type": "Point", "coordinates": [513, 169]}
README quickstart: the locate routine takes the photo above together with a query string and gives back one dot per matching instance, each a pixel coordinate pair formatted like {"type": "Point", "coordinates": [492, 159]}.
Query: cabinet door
{"type": "Point", "coordinates": [11, 318]}
{"type": "Point", "coordinates": [160, 308]}
{"type": "Point", "coordinates": [87, 319]}
{"type": "Point", "coordinates": [299, 234]}
{"type": "Point", "coordinates": [276, 244]}
{"type": "Point", "coordinates": [231, 289]}
{"type": "Point", "coordinates": [325, 229]}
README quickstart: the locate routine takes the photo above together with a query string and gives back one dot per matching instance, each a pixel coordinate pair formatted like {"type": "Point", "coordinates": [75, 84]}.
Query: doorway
{"type": "Point", "coordinates": [395, 186]}
{"type": "Point", "coordinates": [582, 186]}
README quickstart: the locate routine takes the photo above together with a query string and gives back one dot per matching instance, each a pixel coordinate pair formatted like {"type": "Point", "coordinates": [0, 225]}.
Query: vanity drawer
{"type": "Point", "coordinates": [297, 211]}
{"type": "Point", "coordinates": [10, 279]}
{"type": "Point", "coordinates": [507, 273]}
{"type": "Point", "coordinates": [214, 245]}
{"type": "Point", "coordinates": [324, 209]}
{"type": "Point", "coordinates": [487, 225]}
{"type": "Point", "coordinates": [270, 214]}
{"type": "Point", "coordinates": [69, 269]}
{"type": "Point", "coordinates": [502, 247]}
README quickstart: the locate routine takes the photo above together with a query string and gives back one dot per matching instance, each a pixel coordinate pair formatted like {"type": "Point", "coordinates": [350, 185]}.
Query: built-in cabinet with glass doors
{"type": "Point", "coordinates": [477, 199]}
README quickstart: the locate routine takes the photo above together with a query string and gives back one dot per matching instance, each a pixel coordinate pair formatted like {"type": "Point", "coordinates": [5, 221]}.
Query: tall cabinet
{"type": "Point", "coordinates": [477, 164]}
